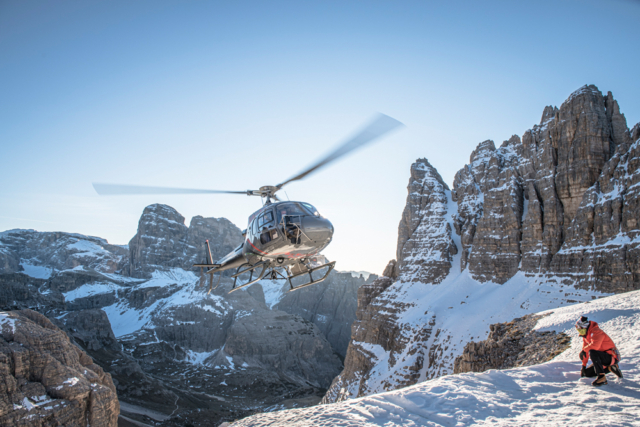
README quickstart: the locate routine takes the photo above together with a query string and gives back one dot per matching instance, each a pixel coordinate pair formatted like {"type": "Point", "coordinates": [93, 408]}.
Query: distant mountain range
{"type": "Point", "coordinates": [143, 314]}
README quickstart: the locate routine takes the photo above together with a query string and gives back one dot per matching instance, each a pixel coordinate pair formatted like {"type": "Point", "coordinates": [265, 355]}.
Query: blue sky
{"type": "Point", "coordinates": [236, 95]}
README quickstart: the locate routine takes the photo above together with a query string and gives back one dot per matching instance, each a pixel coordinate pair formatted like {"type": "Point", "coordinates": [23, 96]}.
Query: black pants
{"type": "Point", "coordinates": [600, 359]}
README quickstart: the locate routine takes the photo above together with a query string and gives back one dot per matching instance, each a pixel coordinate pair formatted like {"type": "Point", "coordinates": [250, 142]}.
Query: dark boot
{"type": "Point", "coordinates": [602, 380]}
{"type": "Point", "coordinates": [616, 370]}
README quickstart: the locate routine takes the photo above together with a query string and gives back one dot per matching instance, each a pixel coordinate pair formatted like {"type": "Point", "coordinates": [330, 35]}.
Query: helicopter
{"type": "Point", "coordinates": [283, 239]}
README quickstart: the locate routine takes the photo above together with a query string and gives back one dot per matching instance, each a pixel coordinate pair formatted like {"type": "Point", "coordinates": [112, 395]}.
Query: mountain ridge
{"type": "Point", "coordinates": [172, 349]}
{"type": "Point", "coordinates": [539, 222]}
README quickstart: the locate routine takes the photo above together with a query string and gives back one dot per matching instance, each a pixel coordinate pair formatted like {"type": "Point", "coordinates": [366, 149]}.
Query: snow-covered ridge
{"type": "Point", "coordinates": [126, 318]}
{"type": "Point", "coordinates": [42, 254]}
{"type": "Point", "coordinates": [548, 394]}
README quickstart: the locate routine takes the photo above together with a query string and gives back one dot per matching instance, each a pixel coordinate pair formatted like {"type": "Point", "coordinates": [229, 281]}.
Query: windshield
{"type": "Point", "coordinates": [290, 209]}
{"type": "Point", "coordinates": [311, 209]}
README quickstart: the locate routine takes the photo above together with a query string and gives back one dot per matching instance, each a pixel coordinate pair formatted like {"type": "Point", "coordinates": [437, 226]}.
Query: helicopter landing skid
{"type": "Point", "coordinates": [248, 268]}
{"type": "Point", "coordinates": [309, 271]}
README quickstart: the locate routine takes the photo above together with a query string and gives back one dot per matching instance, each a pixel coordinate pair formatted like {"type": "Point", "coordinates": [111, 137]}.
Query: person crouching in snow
{"type": "Point", "coordinates": [597, 346]}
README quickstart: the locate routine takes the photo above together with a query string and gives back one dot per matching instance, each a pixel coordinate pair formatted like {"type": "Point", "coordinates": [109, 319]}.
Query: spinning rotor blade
{"type": "Point", "coordinates": [378, 127]}
{"type": "Point", "coordinates": [113, 189]}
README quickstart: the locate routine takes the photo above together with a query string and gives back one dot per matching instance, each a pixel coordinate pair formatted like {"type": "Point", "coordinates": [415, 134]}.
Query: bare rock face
{"type": "Point", "coordinates": [17, 291]}
{"type": "Point", "coordinates": [331, 306]}
{"type": "Point", "coordinates": [531, 204]}
{"type": "Point", "coordinates": [376, 326]}
{"type": "Point", "coordinates": [282, 343]}
{"type": "Point", "coordinates": [46, 380]}
{"type": "Point", "coordinates": [510, 345]}
{"type": "Point", "coordinates": [489, 192]}
{"type": "Point", "coordinates": [543, 223]}
{"type": "Point", "coordinates": [164, 241]}
{"type": "Point", "coordinates": [602, 248]}
{"type": "Point", "coordinates": [568, 152]}
{"type": "Point", "coordinates": [584, 139]}
{"type": "Point", "coordinates": [425, 246]}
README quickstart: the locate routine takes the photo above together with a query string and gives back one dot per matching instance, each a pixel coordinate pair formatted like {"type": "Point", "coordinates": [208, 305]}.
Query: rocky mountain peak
{"type": "Point", "coordinates": [583, 137]}
{"type": "Point", "coordinates": [619, 132]}
{"type": "Point", "coordinates": [422, 171]}
{"type": "Point", "coordinates": [425, 246]}
{"type": "Point", "coordinates": [390, 270]}
{"type": "Point", "coordinates": [513, 142]}
{"type": "Point", "coordinates": [161, 211]}
{"type": "Point", "coordinates": [586, 90]}
{"type": "Point", "coordinates": [482, 151]}
{"type": "Point", "coordinates": [548, 114]}
{"type": "Point", "coordinates": [164, 241]}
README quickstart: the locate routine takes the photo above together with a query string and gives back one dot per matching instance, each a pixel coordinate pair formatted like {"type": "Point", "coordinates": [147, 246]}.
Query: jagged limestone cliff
{"type": "Point", "coordinates": [544, 220]}
{"type": "Point", "coordinates": [164, 241]}
{"type": "Point", "coordinates": [517, 204]}
{"type": "Point", "coordinates": [45, 380]}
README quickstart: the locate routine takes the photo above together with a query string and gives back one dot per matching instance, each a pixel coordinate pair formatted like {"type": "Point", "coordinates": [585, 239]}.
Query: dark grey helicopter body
{"type": "Point", "coordinates": [283, 240]}
{"type": "Point", "coordinates": [282, 235]}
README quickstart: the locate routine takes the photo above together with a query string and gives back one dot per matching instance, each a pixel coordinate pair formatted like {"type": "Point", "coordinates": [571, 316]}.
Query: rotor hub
{"type": "Point", "coordinates": [268, 190]}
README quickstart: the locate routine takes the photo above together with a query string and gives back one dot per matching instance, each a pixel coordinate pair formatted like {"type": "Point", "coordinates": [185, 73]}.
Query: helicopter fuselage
{"type": "Point", "coordinates": [280, 233]}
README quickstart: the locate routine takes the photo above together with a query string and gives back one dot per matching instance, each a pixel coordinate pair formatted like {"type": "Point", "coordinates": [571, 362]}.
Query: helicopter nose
{"type": "Point", "coordinates": [318, 229]}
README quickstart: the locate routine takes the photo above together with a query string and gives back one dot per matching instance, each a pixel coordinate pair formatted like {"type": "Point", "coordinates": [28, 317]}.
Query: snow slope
{"type": "Point", "coordinates": [126, 319]}
{"type": "Point", "coordinates": [548, 394]}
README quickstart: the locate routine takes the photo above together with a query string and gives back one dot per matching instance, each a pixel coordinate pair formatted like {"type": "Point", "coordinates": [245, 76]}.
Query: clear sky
{"type": "Point", "coordinates": [235, 95]}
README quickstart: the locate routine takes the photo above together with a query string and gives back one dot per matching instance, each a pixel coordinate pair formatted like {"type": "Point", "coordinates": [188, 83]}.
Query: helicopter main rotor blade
{"type": "Point", "coordinates": [378, 127]}
{"type": "Point", "coordinates": [116, 189]}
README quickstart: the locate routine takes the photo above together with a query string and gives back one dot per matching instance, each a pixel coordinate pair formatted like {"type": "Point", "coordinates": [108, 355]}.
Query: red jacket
{"type": "Point", "coordinates": [597, 340]}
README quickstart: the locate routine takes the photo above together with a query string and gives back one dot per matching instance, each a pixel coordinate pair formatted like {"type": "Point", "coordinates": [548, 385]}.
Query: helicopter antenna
{"type": "Point", "coordinates": [285, 193]}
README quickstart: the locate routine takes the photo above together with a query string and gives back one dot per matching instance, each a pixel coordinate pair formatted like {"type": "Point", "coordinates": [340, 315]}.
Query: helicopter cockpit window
{"type": "Point", "coordinates": [266, 220]}
{"type": "Point", "coordinates": [311, 209]}
{"type": "Point", "coordinates": [289, 209]}
{"type": "Point", "coordinates": [265, 228]}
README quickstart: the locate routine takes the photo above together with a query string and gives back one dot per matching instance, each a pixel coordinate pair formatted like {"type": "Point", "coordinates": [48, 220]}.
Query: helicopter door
{"type": "Point", "coordinates": [267, 230]}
